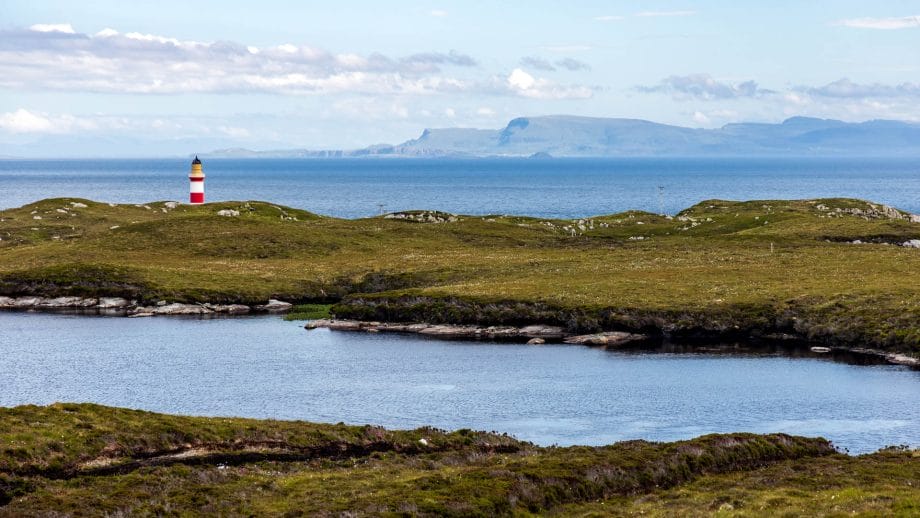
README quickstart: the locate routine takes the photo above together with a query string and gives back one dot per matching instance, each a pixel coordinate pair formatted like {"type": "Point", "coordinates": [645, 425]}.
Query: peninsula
{"type": "Point", "coordinates": [830, 272]}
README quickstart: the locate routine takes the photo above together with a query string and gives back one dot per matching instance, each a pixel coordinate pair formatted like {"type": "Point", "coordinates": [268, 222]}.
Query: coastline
{"type": "Point", "coordinates": [539, 334]}
{"type": "Point", "coordinates": [132, 308]}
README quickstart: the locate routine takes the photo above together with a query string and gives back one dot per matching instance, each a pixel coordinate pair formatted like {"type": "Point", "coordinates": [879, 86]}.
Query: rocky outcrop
{"type": "Point", "coordinates": [132, 308]}
{"type": "Point", "coordinates": [609, 338]}
{"type": "Point", "coordinates": [533, 334]}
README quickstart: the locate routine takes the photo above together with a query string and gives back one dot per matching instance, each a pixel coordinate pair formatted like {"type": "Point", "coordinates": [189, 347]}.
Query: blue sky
{"type": "Point", "coordinates": [178, 76]}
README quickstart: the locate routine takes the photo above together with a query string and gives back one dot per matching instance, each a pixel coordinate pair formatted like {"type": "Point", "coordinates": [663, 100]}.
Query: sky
{"type": "Point", "coordinates": [175, 77]}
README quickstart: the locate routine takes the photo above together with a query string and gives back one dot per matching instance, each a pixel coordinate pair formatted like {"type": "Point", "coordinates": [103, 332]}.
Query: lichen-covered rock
{"type": "Point", "coordinates": [275, 306]}
{"type": "Point", "coordinates": [609, 338]}
{"type": "Point", "coordinates": [543, 331]}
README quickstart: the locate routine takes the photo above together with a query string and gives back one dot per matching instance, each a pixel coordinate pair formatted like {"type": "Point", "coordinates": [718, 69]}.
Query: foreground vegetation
{"type": "Point", "coordinates": [81, 459]}
{"type": "Point", "coordinates": [718, 270]}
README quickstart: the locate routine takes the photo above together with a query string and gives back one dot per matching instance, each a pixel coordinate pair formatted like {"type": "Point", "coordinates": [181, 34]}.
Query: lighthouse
{"type": "Point", "coordinates": [196, 183]}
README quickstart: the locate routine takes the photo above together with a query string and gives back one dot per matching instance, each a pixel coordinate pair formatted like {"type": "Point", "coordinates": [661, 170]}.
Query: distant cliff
{"type": "Point", "coordinates": [571, 136]}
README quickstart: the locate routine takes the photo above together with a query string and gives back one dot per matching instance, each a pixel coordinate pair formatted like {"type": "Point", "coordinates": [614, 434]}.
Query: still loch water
{"type": "Point", "coordinates": [552, 394]}
{"type": "Point", "coordinates": [555, 188]}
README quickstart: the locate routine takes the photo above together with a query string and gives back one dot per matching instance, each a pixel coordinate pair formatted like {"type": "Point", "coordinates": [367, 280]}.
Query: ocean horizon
{"type": "Point", "coordinates": [556, 188]}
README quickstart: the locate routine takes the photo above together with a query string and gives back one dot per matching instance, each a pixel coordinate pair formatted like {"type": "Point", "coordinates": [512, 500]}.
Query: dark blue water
{"type": "Point", "coordinates": [265, 367]}
{"type": "Point", "coordinates": [563, 188]}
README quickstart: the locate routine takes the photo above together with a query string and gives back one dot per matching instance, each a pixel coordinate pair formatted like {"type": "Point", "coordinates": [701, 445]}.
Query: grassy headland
{"type": "Point", "coordinates": [81, 459]}
{"type": "Point", "coordinates": [717, 270]}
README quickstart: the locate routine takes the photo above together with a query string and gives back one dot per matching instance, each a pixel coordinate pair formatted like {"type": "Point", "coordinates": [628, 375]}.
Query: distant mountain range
{"type": "Point", "coordinates": [571, 136]}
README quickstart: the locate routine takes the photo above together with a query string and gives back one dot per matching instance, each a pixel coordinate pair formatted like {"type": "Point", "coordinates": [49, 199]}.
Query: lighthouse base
{"type": "Point", "coordinates": [196, 198]}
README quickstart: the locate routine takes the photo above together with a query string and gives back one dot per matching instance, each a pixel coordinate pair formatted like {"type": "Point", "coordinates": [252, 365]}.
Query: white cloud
{"type": "Point", "coordinates": [904, 22]}
{"type": "Point", "coordinates": [523, 84]}
{"type": "Point", "coordinates": [438, 13]}
{"type": "Point", "coordinates": [450, 113]}
{"type": "Point", "coordinates": [658, 14]}
{"type": "Point", "coordinates": [608, 18]}
{"type": "Point", "coordinates": [65, 28]}
{"type": "Point", "coordinates": [844, 88]}
{"type": "Point", "coordinates": [701, 118]}
{"type": "Point", "coordinates": [24, 121]}
{"type": "Point", "coordinates": [521, 80]}
{"type": "Point", "coordinates": [234, 132]}
{"type": "Point", "coordinates": [705, 87]}
{"type": "Point", "coordinates": [485, 112]}
{"type": "Point", "coordinates": [55, 57]}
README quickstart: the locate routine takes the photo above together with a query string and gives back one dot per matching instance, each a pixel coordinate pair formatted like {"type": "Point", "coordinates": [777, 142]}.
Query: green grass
{"type": "Point", "coordinates": [717, 267]}
{"type": "Point", "coordinates": [81, 459]}
{"type": "Point", "coordinates": [309, 312]}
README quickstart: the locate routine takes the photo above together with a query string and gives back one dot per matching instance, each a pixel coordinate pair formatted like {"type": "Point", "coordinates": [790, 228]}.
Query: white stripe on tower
{"type": "Point", "coordinates": [196, 183]}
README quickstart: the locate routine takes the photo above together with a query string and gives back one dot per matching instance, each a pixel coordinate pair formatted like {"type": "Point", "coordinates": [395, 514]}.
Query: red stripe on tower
{"type": "Point", "coordinates": [196, 183]}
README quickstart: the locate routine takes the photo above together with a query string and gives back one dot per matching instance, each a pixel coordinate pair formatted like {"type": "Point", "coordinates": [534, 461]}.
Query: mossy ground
{"type": "Point", "coordinates": [309, 312]}
{"type": "Point", "coordinates": [89, 460]}
{"type": "Point", "coordinates": [784, 265]}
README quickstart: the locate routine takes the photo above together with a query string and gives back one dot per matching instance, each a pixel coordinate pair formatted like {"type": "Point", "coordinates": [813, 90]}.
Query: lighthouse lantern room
{"type": "Point", "coordinates": [196, 183]}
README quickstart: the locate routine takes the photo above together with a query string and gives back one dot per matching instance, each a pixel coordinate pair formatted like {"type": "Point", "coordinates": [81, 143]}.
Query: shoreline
{"type": "Point", "coordinates": [119, 306]}
{"type": "Point", "coordinates": [532, 334]}
{"type": "Point", "coordinates": [539, 334]}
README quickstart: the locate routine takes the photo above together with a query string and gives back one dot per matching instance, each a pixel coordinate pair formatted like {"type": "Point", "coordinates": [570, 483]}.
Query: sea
{"type": "Point", "coordinates": [546, 188]}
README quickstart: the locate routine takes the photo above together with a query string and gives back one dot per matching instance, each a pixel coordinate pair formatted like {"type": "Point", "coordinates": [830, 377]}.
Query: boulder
{"type": "Point", "coordinates": [275, 306]}
{"type": "Point", "coordinates": [27, 302]}
{"type": "Point", "coordinates": [444, 330]}
{"type": "Point", "coordinates": [180, 309]}
{"type": "Point", "coordinates": [609, 338]}
{"type": "Point", "coordinates": [66, 302]}
{"type": "Point", "coordinates": [229, 309]}
{"type": "Point", "coordinates": [541, 331]}
{"type": "Point", "coordinates": [913, 243]}
{"type": "Point", "coordinates": [112, 303]}
{"type": "Point", "coordinates": [536, 341]}
{"type": "Point", "coordinates": [7, 302]}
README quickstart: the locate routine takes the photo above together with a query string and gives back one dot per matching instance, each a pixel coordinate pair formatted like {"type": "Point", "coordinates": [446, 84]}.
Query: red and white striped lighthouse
{"type": "Point", "coordinates": [196, 183]}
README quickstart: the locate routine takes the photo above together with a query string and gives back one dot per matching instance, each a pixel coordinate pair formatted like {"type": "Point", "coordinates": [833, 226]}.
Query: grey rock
{"type": "Point", "coordinates": [541, 331]}
{"type": "Point", "coordinates": [229, 309]}
{"type": "Point", "coordinates": [27, 302]}
{"type": "Point", "coordinates": [610, 338]}
{"type": "Point", "coordinates": [7, 302]}
{"type": "Point", "coordinates": [536, 341]}
{"type": "Point", "coordinates": [67, 302]}
{"type": "Point", "coordinates": [177, 308]}
{"type": "Point", "coordinates": [275, 306]}
{"type": "Point", "coordinates": [112, 303]}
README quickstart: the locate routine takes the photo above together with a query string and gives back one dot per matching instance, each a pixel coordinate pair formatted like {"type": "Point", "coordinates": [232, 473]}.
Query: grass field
{"type": "Point", "coordinates": [716, 268]}
{"type": "Point", "coordinates": [73, 460]}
